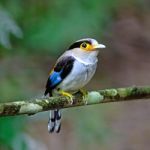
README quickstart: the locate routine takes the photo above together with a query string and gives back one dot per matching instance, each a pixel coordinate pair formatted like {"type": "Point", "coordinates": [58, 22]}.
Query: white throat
{"type": "Point", "coordinates": [85, 57]}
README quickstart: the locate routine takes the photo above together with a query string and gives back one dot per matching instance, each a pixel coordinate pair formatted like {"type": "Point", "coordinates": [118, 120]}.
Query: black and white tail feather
{"type": "Point", "coordinates": [54, 121]}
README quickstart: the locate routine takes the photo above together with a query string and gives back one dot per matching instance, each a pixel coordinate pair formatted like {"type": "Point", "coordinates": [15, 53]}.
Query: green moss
{"type": "Point", "coordinates": [112, 92]}
{"type": "Point", "coordinates": [94, 97]}
{"type": "Point", "coordinates": [31, 108]}
{"type": "Point", "coordinates": [123, 92]}
{"type": "Point", "coordinates": [11, 109]}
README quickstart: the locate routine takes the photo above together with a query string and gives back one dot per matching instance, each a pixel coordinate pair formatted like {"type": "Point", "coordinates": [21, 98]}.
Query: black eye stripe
{"type": "Point", "coordinates": [77, 44]}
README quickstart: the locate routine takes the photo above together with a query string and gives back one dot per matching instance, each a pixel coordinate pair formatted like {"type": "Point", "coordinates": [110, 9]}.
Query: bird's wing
{"type": "Point", "coordinates": [60, 71]}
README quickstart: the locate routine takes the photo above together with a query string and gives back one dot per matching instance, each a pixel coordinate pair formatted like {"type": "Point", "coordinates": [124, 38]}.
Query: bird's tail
{"type": "Point", "coordinates": [54, 122]}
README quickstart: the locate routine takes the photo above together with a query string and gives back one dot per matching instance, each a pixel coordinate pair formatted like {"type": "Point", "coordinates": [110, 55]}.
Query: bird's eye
{"type": "Point", "coordinates": [84, 45]}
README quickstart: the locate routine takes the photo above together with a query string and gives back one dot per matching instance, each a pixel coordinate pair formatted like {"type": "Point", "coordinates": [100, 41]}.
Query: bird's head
{"type": "Point", "coordinates": [87, 44]}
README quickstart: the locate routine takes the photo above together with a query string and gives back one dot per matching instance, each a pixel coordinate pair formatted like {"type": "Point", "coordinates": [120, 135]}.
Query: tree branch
{"type": "Point", "coordinates": [94, 97]}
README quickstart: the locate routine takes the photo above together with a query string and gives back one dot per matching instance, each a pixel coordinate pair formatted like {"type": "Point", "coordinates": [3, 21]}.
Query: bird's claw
{"type": "Point", "coordinates": [63, 93]}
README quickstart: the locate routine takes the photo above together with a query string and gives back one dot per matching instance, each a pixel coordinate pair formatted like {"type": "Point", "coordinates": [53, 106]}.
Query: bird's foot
{"type": "Point", "coordinates": [63, 93]}
{"type": "Point", "coordinates": [84, 94]}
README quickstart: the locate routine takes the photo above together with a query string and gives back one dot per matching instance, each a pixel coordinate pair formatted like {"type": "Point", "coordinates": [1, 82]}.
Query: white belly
{"type": "Point", "coordinates": [80, 75]}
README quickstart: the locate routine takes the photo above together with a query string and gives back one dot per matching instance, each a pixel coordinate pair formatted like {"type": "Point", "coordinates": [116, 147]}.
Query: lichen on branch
{"type": "Point", "coordinates": [36, 105]}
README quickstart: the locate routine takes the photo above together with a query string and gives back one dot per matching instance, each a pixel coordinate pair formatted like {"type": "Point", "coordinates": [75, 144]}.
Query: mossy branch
{"type": "Point", "coordinates": [94, 97]}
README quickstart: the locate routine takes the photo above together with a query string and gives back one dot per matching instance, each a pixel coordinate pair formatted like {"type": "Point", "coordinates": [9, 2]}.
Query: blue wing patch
{"type": "Point", "coordinates": [55, 78]}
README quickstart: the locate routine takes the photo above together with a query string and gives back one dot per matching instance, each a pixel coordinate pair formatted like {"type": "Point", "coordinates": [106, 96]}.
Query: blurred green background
{"type": "Point", "coordinates": [33, 33]}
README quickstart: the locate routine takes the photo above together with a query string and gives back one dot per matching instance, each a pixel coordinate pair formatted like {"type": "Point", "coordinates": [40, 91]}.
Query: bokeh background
{"type": "Point", "coordinates": [33, 33]}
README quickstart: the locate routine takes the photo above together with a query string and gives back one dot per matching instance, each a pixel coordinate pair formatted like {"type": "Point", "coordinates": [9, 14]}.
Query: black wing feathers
{"type": "Point", "coordinates": [62, 68]}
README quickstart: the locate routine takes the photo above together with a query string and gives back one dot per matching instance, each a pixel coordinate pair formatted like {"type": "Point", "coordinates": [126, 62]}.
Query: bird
{"type": "Point", "coordinates": [71, 72]}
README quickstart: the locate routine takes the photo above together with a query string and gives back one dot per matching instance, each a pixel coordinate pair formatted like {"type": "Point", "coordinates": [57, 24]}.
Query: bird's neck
{"type": "Point", "coordinates": [85, 57]}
